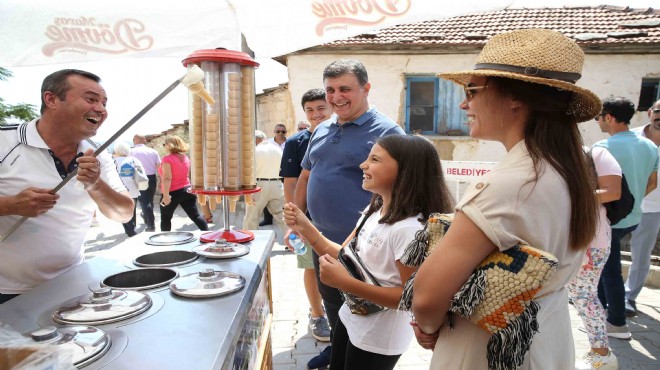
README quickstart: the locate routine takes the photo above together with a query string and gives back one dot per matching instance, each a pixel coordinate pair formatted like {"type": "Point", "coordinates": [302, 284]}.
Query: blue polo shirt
{"type": "Point", "coordinates": [638, 157]}
{"type": "Point", "coordinates": [335, 196]}
{"type": "Point", "coordinates": [294, 153]}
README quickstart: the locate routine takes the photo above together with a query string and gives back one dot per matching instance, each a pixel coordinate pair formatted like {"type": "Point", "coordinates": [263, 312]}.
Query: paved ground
{"type": "Point", "coordinates": [293, 344]}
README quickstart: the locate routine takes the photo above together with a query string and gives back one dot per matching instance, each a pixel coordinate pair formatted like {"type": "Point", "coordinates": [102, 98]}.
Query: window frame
{"type": "Point", "coordinates": [422, 78]}
{"type": "Point", "coordinates": [653, 81]}
{"type": "Point", "coordinates": [446, 99]}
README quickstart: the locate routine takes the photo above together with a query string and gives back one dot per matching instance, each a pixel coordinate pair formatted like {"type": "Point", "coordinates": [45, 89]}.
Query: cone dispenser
{"type": "Point", "coordinates": [222, 124]}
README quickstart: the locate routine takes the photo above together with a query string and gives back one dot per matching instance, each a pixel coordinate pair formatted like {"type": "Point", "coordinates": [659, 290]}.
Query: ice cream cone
{"type": "Point", "coordinates": [200, 199]}
{"type": "Point", "coordinates": [198, 88]}
{"type": "Point", "coordinates": [232, 203]}
{"type": "Point", "coordinates": [212, 203]}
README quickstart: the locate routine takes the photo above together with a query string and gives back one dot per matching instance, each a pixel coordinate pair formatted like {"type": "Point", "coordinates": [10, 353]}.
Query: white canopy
{"type": "Point", "coordinates": [120, 40]}
{"type": "Point", "coordinates": [34, 32]}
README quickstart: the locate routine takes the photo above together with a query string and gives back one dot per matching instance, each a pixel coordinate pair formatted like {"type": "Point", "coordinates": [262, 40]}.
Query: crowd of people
{"type": "Point", "coordinates": [359, 192]}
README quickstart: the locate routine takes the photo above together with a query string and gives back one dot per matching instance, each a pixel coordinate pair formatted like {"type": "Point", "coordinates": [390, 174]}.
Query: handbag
{"type": "Point", "coordinates": [619, 209]}
{"type": "Point", "coordinates": [140, 177]}
{"type": "Point", "coordinates": [349, 258]}
{"type": "Point", "coordinates": [498, 296]}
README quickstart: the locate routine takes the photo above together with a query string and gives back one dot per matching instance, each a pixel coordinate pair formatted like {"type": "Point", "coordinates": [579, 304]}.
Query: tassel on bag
{"type": "Point", "coordinates": [506, 349]}
{"type": "Point", "coordinates": [470, 295]}
{"type": "Point", "coordinates": [415, 252]}
{"type": "Point", "coordinates": [405, 304]}
{"type": "Point", "coordinates": [498, 296]}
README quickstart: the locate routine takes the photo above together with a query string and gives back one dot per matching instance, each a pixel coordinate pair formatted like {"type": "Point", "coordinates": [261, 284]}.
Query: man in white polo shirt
{"type": "Point", "coordinates": [267, 160]}
{"type": "Point", "coordinates": [34, 157]}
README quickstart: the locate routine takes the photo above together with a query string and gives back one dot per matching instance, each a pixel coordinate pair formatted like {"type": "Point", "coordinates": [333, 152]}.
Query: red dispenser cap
{"type": "Point", "coordinates": [220, 55]}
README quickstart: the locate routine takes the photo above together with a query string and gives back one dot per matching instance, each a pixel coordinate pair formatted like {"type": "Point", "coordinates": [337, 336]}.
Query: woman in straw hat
{"type": "Point", "coordinates": [521, 93]}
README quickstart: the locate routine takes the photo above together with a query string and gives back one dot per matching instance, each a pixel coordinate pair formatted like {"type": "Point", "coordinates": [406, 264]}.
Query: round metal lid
{"type": "Point", "coordinates": [221, 249]}
{"type": "Point", "coordinates": [207, 283]}
{"type": "Point", "coordinates": [102, 306]}
{"type": "Point", "coordinates": [87, 343]}
{"type": "Point", "coordinates": [171, 238]}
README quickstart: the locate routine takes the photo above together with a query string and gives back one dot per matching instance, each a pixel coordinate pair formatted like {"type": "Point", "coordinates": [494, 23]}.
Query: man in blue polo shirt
{"type": "Point", "coordinates": [317, 111]}
{"type": "Point", "coordinates": [638, 158]}
{"type": "Point", "coordinates": [330, 185]}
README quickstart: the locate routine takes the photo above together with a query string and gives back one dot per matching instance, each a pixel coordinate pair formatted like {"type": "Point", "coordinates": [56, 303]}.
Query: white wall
{"type": "Point", "coordinates": [617, 75]}
{"type": "Point", "coordinates": [606, 75]}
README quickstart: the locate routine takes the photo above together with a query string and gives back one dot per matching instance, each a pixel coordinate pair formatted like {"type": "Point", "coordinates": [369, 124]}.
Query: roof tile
{"type": "Point", "coordinates": [620, 25]}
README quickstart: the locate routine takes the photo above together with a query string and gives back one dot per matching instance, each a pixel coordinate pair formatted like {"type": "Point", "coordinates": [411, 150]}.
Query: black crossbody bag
{"type": "Point", "coordinates": [349, 258]}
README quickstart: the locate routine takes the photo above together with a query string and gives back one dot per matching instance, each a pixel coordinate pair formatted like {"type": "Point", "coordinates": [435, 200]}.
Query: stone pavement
{"type": "Point", "coordinates": [293, 344]}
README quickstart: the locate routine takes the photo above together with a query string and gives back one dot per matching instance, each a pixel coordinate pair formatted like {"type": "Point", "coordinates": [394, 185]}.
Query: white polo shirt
{"type": "Point", "coordinates": [268, 157]}
{"type": "Point", "coordinates": [51, 243]}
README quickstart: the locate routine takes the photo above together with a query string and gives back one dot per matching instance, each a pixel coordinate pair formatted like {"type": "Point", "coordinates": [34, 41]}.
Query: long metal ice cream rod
{"type": "Point", "coordinates": [101, 148]}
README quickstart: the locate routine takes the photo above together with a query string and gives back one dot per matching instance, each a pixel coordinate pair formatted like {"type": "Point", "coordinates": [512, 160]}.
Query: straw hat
{"type": "Point", "coordinates": [539, 56]}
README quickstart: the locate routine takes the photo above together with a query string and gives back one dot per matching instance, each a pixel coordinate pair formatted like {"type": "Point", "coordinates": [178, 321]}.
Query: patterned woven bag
{"type": "Point", "coordinates": [498, 296]}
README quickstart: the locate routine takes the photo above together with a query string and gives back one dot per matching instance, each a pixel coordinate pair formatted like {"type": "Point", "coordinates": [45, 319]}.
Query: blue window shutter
{"type": "Point", "coordinates": [451, 118]}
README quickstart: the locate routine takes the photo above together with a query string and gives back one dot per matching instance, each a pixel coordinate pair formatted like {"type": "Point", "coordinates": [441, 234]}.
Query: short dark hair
{"type": "Point", "coordinates": [420, 186]}
{"type": "Point", "coordinates": [341, 67]}
{"type": "Point", "coordinates": [312, 95]}
{"type": "Point", "coordinates": [620, 108]}
{"type": "Point", "coordinates": [57, 83]}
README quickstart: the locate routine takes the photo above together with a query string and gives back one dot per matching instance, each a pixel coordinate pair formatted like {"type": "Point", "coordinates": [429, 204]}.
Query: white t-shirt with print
{"type": "Point", "coordinates": [380, 246]}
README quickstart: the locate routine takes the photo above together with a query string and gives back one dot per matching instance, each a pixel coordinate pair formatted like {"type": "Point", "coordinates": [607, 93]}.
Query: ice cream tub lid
{"type": "Point", "coordinates": [207, 283]}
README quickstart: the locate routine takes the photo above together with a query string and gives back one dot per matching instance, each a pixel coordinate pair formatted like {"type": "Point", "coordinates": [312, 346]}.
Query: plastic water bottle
{"type": "Point", "coordinates": [298, 245]}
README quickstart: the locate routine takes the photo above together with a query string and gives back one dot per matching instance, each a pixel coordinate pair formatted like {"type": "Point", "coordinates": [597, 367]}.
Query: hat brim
{"type": "Point", "coordinates": [584, 106]}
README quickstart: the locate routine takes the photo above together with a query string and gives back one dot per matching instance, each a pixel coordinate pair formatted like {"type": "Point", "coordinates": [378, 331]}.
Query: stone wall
{"type": "Point", "coordinates": [274, 106]}
{"type": "Point", "coordinates": [156, 141]}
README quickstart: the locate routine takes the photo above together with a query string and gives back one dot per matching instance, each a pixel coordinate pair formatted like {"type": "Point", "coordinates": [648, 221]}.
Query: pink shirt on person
{"type": "Point", "coordinates": [180, 166]}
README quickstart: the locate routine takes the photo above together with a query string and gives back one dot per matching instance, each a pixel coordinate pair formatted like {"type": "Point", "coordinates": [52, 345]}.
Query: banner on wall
{"type": "Point", "coordinates": [466, 171]}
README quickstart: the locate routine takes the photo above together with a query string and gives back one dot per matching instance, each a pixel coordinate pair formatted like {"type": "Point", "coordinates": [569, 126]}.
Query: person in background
{"type": "Point", "coordinates": [279, 139]}
{"type": "Point", "coordinates": [267, 167]}
{"type": "Point", "coordinates": [638, 158]}
{"type": "Point", "coordinates": [405, 176]}
{"type": "Point", "coordinates": [330, 184]}
{"type": "Point", "coordinates": [316, 109]}
{"type": "Point", "coordinates": [542, 192]}
{"type": "Point", "coordinates": [583, 289]}
{"type": "Point", "coordinates": [126, 167]}
{"type": "Point", "coordinates": [304, 125]}
{"type": "Point", "coordinates": [151, 161]}
{"type": "Point", "coordinates": [645, 236]}
{"type": "Point", "coordinates": [37, 155]}
{"type": "Point", "coordinates": [208, 215]}
{"type": "Point", "coordinates": [175, 183]}
{"type": "Point", "coordinates": [279, 136]}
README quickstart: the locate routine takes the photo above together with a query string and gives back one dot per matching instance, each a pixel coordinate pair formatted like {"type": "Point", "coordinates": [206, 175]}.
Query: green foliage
{"type": "Point", "coordinates": [21, 111]}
